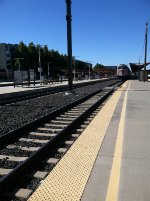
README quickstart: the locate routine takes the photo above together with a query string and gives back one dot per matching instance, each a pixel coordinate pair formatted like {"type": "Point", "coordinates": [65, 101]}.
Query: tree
{"type": "Point", "coordinates": [23, 53]}
{"type": "Point", "coordinates": [98, 66]}
{"type": "Point", "coordinates": [33, 56]}
{"type": "Point", "coordinates": [56, 60]}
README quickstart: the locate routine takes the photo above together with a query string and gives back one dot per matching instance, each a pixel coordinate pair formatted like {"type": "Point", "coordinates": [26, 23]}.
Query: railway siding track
{"type": "Point", "coordinates": [25, 95]}
{"type": "Point", "coordinates": [50, 134]}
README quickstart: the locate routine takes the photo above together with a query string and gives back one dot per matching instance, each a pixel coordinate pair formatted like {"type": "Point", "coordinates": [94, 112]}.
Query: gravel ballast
{"type": "Point", "coordinates": [13, 116]}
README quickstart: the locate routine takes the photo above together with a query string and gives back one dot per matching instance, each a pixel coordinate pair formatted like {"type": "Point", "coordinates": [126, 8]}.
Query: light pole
{"type": "Point", "coordinates": [74, 65]}
{"type": "Point", "coordinates": [40, 69]}
{"type": "Point", "coordinates": [19, 62]}
{"type": "Point", "coordinates": [89, 68]}
{"type": "Point", "coordinates": [69, 44]}
{"type": "Point", "coordinates": [89, 72]}
{"type": "Point", "coordinates": [48, 69]}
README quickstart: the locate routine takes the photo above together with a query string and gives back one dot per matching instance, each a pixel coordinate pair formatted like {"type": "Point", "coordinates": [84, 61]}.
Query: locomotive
{"type": "Point", "coordinates": [123, 72]}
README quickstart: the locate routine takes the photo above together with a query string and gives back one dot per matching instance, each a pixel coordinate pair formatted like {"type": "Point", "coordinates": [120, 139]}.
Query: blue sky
{"type": "Point", "coordinates": [109, 32]}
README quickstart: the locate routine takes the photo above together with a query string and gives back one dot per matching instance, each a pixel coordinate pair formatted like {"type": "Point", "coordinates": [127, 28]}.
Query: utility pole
{"type": "Point", "coordinates": [74, 65]}
{"type": "Point", "coordinates": [89, 65]}
{"type": "Point", "coordinates": [48, 70]}
{"type": "Point", "coordinates": [89, 72]}
{"type": "Point", "coordinates": [74, 69]}
{"type": "Point", "coordinates": [19, 61]}
{"type": "Point", "coordinates": [145, 51]}
{"type": "Point", "coordinates": [48, 73]}
{"type": "Point", "coordinates": [69, 44]}
{"type": "Point", "coordinates": [40, 70]}
{"type": "Point", "coordinates": [139, 70]}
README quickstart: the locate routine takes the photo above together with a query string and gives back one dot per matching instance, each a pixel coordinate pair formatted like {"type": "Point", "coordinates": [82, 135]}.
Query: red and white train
{"type": "Point", "coordinates": [123, 72]}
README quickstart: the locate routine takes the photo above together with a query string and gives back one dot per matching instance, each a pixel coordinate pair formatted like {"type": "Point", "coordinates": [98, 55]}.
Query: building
{"type": "Point", "coordinates": [136, 68]}
{"type": "Point", "coordinates": [6, 55]}
{"type": "Point", "coordinates": [111, 67]}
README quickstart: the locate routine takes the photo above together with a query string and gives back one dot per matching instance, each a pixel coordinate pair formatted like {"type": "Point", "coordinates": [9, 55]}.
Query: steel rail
{"type": "Point", "coordinates": [26, 128]}
{"type": "Point", "coordinates": [15, 175]}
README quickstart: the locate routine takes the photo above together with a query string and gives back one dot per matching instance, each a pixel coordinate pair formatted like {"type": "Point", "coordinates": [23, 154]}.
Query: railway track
{"type": "Point", "coordinates": [43, 92]}
{"type": "Point", "coordinates": [29, 153]}
{"type": "Point", "coordinates": [19, 114]}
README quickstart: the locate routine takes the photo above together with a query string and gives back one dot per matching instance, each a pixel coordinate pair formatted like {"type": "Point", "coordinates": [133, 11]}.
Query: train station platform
{"type": "Point", "coordinates": [8, 91]}
{"type": "Point", "coordinates": [110, 161]}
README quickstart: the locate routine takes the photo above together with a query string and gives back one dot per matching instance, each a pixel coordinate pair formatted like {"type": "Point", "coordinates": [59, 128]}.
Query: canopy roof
{"type": "Point", "coordinates": [136, 66]}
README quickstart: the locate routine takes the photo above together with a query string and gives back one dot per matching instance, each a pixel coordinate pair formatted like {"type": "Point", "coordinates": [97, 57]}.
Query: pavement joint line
{"type": "Point", "coordinates": [68, 178]}
{"type": "Point", "coordinates": [113, 186]}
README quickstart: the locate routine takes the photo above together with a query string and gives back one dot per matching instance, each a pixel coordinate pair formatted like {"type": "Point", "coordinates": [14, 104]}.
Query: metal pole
{"type": "Point", "coordinates": [74, 66]}
{"type": "Point", "coordinates": [89, 68]}
{"type": "Point", "coordinates": [145, 51]}
{"type": "Point", "coordinates": [139, 70]}
{"type": "Point", "coordinates": [48, 70]}
{"type": "Point", "coordinates": [89, 73]}
{"type": "Point", "coordinates": [74, 73]}
{"type": "Point", "coordinates": [73, 58]}
{"type": "Point", "coordinates": [19, 64]}
{"type": "Point", "coordinates": [69, 44]}
{"type": "Point", "coordinates": [40, 61]}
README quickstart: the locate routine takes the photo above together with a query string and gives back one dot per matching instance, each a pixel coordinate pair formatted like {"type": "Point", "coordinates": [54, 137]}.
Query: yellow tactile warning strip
{"type": "Point", "coordinates": [68, 179]}
{"type": "Point", "coordinates": [113, 187]}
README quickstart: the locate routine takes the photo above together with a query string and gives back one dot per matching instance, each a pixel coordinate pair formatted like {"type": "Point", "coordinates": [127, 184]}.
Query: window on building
{"type": "Point", "coordinates": [7, 55]}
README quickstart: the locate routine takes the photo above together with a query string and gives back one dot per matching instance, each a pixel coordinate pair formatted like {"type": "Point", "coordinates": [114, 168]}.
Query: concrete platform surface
{"type": "Point", "coordinates": [110, 161]}
{"type": "Point", "coordinates": [19, 88]}
{"type": "Point", "coordinates": [122, 169]}
{"type": "Point", "coordinates": [69, 177]}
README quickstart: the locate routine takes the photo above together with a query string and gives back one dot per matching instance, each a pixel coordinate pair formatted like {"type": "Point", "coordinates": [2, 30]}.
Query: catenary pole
{"type": "Point", "coordinates": [145, 51]}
